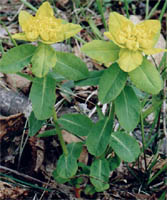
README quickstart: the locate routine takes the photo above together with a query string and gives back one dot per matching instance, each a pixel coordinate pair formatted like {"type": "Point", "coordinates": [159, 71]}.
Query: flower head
{"type": "Point", "coordinates": [133, 40]}
{"type": "Point", "coordinates": [44, 26]}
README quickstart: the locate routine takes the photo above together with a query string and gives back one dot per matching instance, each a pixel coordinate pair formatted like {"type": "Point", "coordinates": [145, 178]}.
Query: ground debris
{"type": "Point", "coordinates": [8, 191]}
{"type": "Point", "coordinates": [12, 124]}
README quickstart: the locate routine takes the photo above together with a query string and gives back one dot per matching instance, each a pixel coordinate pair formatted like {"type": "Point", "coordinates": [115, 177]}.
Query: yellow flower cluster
{"type": "Point", "coordinates": [44, 26]}
{"type": "Point", "coordinates": [134, 37]}
{"type": "Point", "coordinates": [133, 40]}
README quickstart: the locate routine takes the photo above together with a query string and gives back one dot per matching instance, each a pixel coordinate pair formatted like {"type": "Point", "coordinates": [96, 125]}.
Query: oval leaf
{"type": "Point", "coordinates": [100, 171]}
{"type": "Point", "coordinates": [147, 78]}
{"type": "Point", "coordinates": [17, 58]}
{"type": "Point", "coordinates": [76, 124]}
{"type": "Point", "coordinates": [99, 136]}
{"type": "Point", "coordinates": [111, 83]}
{"type": "Point", "coordinates": [70, 66]}
{"type": "Point", "coordinates": [58, 178]}
{"type": "Point", "coordinates": [34, 124]}
{"type": "Point", "coordinates": [43, 60]}
{"type": "Point", "coordinates": [102, 51]}
{"type": "Point", "coordinates": [92, 79]}
{"type": "Point", "coordinates": [74, 149]}
{"type": "Point", "coordinates": [127, 108]}
{"type": "Point", "coordinates": [125, 146]}
{"type": "Point", "coordinates": [114, 162]}
{"type": "Point", "coordinates": [47, 133]}
{"type": "Point", "coordinates": [66, 166]}
{"type": "Point", "coordinates": [43, 97]}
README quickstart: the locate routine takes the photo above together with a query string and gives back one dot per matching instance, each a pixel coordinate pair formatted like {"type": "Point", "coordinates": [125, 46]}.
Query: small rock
{"type": "Point", "coordinates": [135, 19]}
{"type": "Point", "coordinates": [12, 102]}
{"type": "Point", "coordinates": [61, 47]}
{"type": "Point", "coordinates": [160, 44]}
{"type": "Point", "coordinates": [1, 75]}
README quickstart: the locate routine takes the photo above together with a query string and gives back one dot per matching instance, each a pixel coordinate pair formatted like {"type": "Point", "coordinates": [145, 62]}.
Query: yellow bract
{"type": "Point", "coordinates": [44, 26]}
{"type": "Point", "coordinates": [134, 40]}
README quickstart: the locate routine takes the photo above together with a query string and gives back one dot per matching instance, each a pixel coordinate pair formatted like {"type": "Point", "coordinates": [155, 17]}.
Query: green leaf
{"type": "Point", "coordinates": [47, 133]}
{"type": "Point", "coordinates": [125, 146]}
{"type": "Point", "coordinates": [16, 58]}
{"type": "Point", "coordinates": [92, 79]}
{"type": "Point", "coordinates": [43, 97]}
{"type": "Point", "coordinates": [43, 60]}
{"type": "Point", "coordinates": [57, 77]}
{"type": "Point", "coordinates": [155, 107]}
{"type": "Point", "coordinates": [89, 190]}
{"type": "Point", "coordinates": [68, 84]}
{"type": "Point", "coordinates": [85, 168]}
{"type": "Point", "coordinates": [58, 178]}
{"type": "Point", "coordinates": [100, 171]}
{"type": "Point", "coordinates": [100, 113]}
{"type": "Point", "coordinates": [114, 162]}
{"type": "Point", "coordinates": [141, 95]}
{"type": "Point", "coordinates": [99, 136]}
{"type": "Point", "coordinates": [66, 166]}
{"type": "Point", "coordinates": [34, 124]}
{"type": "Point", "coordinates": [76, 124]}
{"type": "Point", "coordinates": [74, 149]}
{"type": "Point", "coordinates": [111, 83]}
{"type": "Point", "coordinates": [70, 66]}
{"type": "Point", "coordinates": [147, 78]}
{"type": "Point", "coordinates": [29, 77]}
{"type": "Point", "coordinates": [95, 30]}
{"type": "Point", "coordinates": [127, 108]}
{"type": "Point", "coordinates": [66, 89]}
{"type": "Point", "coordinates": [102, 51]}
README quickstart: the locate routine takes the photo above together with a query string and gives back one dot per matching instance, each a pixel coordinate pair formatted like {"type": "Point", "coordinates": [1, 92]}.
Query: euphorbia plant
{"type": "Point", "coordinates": [125, 55]}
{"type": "Point", "coordinates": [128, 71]}
{"type": "Point", "coordinates": [44, 63]}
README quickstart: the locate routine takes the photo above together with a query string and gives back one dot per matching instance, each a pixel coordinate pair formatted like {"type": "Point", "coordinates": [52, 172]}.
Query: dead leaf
{"type": "Point", "coordinates": [40, 154]}
{"type": "Point", "coordinates": [62, 2]}
{"type": "Point", "coordinates": [84, 156]}
{"type": "Point", "coordinates": [11, 124]}
{"type": "Point", "coordinates": [18, 82]}
{"type": "Point", "coordinates": [8, 191]}
{"type": "Point", "coordinates": [159, 164]}
{"type": "Point", "coordinates": [38, 148]}
{"type": "Point", "coordinates": [69, 138]}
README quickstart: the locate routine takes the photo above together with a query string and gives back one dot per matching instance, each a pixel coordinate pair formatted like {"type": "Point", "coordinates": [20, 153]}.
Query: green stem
{"type": "Point", "coordinates": [29, 5]}
{"type": "Point", "coordinates": [18, 181]}
{"type": "Point", "coordinates": [14, 42]}
{"type": "Point", "coordinates": [157, 174]}
{"type": "Point", "coordinates": [163, 11]}
{"type": "Point", "coordinates": [147, 8]}
{"type": "Point", "coordinates": [54, 6]}
{"type": "Point", "coordinates": [152, 108]}
{"type": "Point", "coordinates": [112, 114]}
{"type": "Point", "coordinates": [80, 39]}
{"type": "Point", "coordinates": [59, 133]}
{"type": "Point", "coordinates": [100, 8]}
{"type": "Point", "coordinates": [153, 10]}
{"type": "Point", "coordinates": [143, 141]}
{"type": "Point", "coordinates": [126, 8]}
{"type": "Point", "coordinates": [1, 48]}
